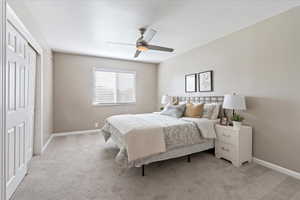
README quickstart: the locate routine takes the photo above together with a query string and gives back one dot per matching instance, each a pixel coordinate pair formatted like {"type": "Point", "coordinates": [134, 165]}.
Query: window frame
{"type": "Point", "coordinates": [116, 70]}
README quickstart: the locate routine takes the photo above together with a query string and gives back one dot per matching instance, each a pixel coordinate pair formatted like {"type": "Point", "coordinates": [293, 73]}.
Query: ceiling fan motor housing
{"type": "Point", "coordinates": [142, 30]}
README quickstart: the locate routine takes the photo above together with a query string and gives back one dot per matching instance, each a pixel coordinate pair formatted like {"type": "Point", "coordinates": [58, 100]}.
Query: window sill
{"type": "Point", "coordinates": [112, 104]}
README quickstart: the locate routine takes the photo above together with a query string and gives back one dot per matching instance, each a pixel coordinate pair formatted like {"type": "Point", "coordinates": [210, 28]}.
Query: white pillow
{"type": "Point", "coordinates": [208, 110]}
{"type": "Point", "coordinates": [211, 110]}
{"type": "Point", "coordinates": [215, 112]}
{"type": "Point", "coordinates": [174, 110]}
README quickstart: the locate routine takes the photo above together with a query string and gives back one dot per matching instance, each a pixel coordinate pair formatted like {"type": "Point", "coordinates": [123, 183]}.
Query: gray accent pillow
{"type": "Point", "coordinates": [174, 110]}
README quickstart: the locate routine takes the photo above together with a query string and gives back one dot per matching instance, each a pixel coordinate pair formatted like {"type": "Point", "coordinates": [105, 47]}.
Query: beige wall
{"type": "Point", "coordinates": [263, 63]}
{"type": "Point", "coordinates": [73, 91]}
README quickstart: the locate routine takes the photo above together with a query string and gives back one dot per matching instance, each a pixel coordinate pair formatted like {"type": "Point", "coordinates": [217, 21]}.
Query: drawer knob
{"type": "Point", "coordinates": [224, 149]}
{"type": "Point", "coordinates": [226, 135]}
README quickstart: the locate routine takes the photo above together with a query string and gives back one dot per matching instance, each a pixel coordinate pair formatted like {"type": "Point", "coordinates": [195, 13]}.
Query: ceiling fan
{"type": "Point", "coordinates": [142, 43]}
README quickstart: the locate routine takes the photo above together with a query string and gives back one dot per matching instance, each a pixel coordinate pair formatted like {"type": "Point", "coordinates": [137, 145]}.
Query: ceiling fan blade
{"type": "Point", "coordinates": [149, 35]}
{"type": "Point", "coordinates": [121, 43]}
{"type": "Point", "coordinates": [159, 48]}
{"type": "Point", "coordinates": [137, 53]}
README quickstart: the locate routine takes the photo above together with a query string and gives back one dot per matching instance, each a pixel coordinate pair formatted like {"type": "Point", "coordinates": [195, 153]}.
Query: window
{"type": "Point", "coordinates": [113, 86]}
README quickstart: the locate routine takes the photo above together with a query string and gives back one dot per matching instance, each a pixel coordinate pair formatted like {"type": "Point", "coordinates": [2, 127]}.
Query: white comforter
{"type": "Point", "coordinates": [206, 126]}
{"type": "Point", "coordinates": [149, 134]}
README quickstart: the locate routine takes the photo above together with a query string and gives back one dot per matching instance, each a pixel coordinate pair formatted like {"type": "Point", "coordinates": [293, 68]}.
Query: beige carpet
{"type": "Point", "coordinates": [82, 167]}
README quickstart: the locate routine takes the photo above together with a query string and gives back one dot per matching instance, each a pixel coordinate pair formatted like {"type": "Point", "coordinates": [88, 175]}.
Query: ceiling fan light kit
{"type": "Point", "coordinates": [142, 48]}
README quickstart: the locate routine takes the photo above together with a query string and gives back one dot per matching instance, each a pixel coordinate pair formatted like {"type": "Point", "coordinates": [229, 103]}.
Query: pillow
{"type": "Point", "coordinates": [174, 110]}
{"type": "Point", "coordinates": [216, 111]}
{"type": "Point", "coordinates": [208, 109]}
{"type": "Point", "coordinates": [193, 110]}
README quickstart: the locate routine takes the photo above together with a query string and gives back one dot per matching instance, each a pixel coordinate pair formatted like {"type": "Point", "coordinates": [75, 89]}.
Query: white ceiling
{"type": "Point", "coordinates": [85, 26]}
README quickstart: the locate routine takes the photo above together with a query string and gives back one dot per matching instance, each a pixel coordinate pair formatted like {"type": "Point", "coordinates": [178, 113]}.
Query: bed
{"type": "Point", "coordinates": [181, 136]}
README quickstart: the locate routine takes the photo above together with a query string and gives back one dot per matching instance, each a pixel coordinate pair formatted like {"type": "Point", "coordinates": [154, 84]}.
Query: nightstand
{"type": "Point", "coordinates": [234, 144]}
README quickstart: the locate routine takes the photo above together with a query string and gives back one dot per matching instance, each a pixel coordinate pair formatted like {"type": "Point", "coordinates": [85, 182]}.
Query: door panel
{"type": "Point", "coordinates": [10, 150]}
{"type": "Point", "coordinates": [11, 39]}
{"type": "Point", "coordinates": [20, 91]}
{"type": "Point", "coordinates": [12, 68]}
{"type": "Point", "coordinates": [22, 85]}
{"type": "Point", "coordinates": [21, 138]}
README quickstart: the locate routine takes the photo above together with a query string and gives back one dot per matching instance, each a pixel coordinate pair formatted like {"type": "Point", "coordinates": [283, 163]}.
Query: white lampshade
{"type": "Point", "coordinates": [165, 99]}
{"type": "Point", "coordinates": [234, 102]}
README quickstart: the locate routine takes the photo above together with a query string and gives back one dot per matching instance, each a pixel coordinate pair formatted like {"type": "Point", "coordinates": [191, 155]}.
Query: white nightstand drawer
{"type": "Point", "coordinates": [226, 135]}
{"type": "Point", "coordinates": [225, 150]}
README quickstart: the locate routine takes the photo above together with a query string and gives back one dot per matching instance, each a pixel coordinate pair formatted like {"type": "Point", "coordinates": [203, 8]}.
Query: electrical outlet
{"type": "Point", "coordinates": [96, 124]}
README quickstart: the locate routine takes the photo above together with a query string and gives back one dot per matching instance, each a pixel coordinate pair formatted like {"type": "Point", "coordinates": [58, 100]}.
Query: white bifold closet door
{"type": "Point", "coordinates": [20, 93]}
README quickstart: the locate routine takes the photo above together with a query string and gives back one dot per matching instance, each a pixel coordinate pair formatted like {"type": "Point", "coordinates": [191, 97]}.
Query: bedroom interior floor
{"type": "Point", "coordinates": [82, 167]}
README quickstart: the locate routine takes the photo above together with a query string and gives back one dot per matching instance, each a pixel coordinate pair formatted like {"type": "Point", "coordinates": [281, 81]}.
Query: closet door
{"type": "Point", "coordinates": [31, 61]}
{"type": "Point", "coordinates": [19, 113]}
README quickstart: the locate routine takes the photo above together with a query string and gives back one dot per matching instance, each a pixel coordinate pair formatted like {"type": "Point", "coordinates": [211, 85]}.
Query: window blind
{"type": "Point", "coordinates": [114, 87]}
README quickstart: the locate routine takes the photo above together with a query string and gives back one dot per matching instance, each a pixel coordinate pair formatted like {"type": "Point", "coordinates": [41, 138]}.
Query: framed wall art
{"type": "Point", "coordinates": [205, 81]}
{"type": "Point", "coordinates": [224, 121]}
{"type": "Point", "coordinates": [190, 83]}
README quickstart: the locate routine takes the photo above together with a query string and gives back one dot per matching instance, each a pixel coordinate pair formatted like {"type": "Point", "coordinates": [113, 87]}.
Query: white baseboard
{"type": "Point", "coordinates": [76, 132]}
{"type": "Point", "coordinates": [47, 143]}
{"type": "Point", "coordinates": [277, 168]}
{"type": "Point", "coordinates": [66, 134]}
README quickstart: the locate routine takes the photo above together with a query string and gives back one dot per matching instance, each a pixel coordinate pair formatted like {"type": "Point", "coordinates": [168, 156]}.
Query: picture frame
{"type": "Point", "coordinates": [224, 121]}
{"type": "Point", "coordinates": [190, 83]}
{"type": "Point", "coordinates": [205, 81]}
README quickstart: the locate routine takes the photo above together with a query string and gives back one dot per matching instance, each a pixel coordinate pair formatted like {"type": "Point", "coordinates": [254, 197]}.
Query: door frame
{"type": "Point", "coordinates": [2, 95]}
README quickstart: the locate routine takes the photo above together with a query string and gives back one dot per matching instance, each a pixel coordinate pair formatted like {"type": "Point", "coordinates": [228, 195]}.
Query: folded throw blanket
{"type": "Point", "coordinates": [143, 137]}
